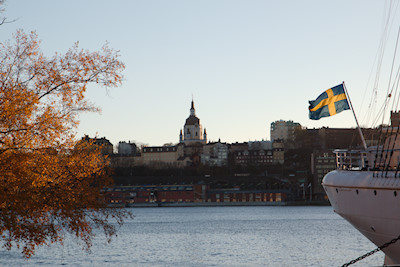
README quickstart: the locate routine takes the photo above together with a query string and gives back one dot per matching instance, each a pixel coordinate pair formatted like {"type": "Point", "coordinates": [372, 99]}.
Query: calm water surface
{"type": "Point", "coordinates": [217, 236]}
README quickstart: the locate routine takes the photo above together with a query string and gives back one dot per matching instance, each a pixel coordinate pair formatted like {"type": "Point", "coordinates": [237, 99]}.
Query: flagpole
{"type": "Point", "coordinates": [355, 117]}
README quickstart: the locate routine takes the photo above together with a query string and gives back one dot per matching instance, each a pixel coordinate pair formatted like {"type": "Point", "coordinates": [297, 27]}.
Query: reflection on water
{"type": "Point", "coordinates": [217, 236]}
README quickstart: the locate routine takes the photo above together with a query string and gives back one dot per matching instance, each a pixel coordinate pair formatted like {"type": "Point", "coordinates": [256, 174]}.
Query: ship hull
{"type": "Point", "coordinates": [371, 204]}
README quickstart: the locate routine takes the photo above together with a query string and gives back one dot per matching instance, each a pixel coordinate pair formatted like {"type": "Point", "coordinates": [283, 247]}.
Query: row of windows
{"type": "Point", "coordinates": [176, 200]}
{"type": "Point", "coordinates": [159, 159]}
{"type": "Point", "coordinates": [254, 153]}
{"type": "Point", "coordinates": [257, 197]}
{"type": "Point", "coordinates": [261, 157]}
{"type": "Point", "coordinates": [326, 160]}
{"type": "Point", "coordinates": [255, 161]}
{"type": "Point", "coordinates": [148, 190]}
{"type": "Point", "coordinates": [159, 149]}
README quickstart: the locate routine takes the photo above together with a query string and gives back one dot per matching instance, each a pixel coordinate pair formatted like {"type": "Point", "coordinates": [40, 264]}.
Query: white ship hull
{"type": "Point", "coordinates": [370, 204]}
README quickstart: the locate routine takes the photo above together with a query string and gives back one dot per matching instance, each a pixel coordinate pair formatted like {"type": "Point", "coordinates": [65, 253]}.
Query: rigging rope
{"type": "Point", "coordinates": [386, 157]}
{"type": "Point", "coordinates": [391, 71]}
{"type": "Point", "coordinates": [389, 18]}
{"type": "Point", "coordinates": [388, 136]}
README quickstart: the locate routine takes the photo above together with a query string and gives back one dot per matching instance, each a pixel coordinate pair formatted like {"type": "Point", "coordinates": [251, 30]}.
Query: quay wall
{"type": "Point", "coordinates": [225, 204]}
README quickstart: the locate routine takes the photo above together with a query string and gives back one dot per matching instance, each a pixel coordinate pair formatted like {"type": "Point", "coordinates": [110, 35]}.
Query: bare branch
{"type": "Point", "coordinates": [3, 20]}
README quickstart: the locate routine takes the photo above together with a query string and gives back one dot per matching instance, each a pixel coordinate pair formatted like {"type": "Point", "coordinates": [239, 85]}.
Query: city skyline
{"type": "Point", "coordinates": [246, 64]}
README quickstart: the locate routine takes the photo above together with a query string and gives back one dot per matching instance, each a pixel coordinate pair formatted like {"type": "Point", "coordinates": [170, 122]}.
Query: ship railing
{"type": "Point", "coordinates": [352, 159]}
{"type": "Point", "coordinates": [373, 159]}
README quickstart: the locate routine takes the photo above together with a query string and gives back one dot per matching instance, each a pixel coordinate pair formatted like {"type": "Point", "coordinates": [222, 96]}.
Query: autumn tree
{"type": "Point", "coordinates": [50, 184]}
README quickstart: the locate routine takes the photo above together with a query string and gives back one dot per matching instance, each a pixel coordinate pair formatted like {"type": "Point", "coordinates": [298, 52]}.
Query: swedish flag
{"type": "Point", "coordinates": [329, 103]}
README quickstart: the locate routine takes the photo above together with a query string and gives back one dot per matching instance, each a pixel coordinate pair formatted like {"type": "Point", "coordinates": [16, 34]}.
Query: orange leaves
{"type": "Point", "coordinates": [57, 83]}
{"type": "Point", "coordinates": [49, 183]}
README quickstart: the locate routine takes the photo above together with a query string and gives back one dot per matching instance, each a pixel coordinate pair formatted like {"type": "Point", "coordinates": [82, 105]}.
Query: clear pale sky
{"type": "Point", "coordinates": [247, 63]}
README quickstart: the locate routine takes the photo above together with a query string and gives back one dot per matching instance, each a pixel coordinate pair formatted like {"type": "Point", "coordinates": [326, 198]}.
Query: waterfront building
{"type": "Point", "coordinates": [215, 154]}
{"type": "Point", "coordinates": [278, 147]}
{"type": "Point", "coordinates": [266, 145]}
{"type": "Point", "coordinates": [106, 146]}
{"type": "Point", "coordinates": [322, 162]}
{"type": "Point", "coordinates": [261, 157]}
{"type": "Point", "coordinates": [188, 193]}
{"type": "Point", "coordinates": [127, 156]}
{"type": "Point", "coordinates": [238, 147]}
{"type": "Point", "coordinates": [127, 149]}
{"type": "Point", "coordinates": [192, 130]}
{"type": "Point", "coordinates": [193, 152]}
{"type": "Point", "coordinates": [241, 157]}
{"type": "Point", "coordinates": [254, 153]}
{"type": "Point", "coordinates": [253, 157]}
{"type": "Point", "coordinates": [164, 156]}
{"type": "Point", "coordinates": [142, 194]}
{"type": "Point", "coordinates": [284, 130]}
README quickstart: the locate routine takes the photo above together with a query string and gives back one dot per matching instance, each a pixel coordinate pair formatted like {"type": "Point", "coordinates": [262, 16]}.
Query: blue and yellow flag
{"type": "Point", "coordinates": [329, 103]}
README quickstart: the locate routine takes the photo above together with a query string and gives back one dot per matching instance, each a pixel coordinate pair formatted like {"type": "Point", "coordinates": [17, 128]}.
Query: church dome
{"type": "Point", "coordinates": [192, 120]}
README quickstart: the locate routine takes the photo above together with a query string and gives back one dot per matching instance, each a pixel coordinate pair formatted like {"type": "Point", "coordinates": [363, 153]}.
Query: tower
{"type": "Point", "coordinates": [192, 130]}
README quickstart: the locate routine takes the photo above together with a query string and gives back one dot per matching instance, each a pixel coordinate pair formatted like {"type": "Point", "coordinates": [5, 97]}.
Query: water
{"type": "Point", "coordinates": [217, 236]}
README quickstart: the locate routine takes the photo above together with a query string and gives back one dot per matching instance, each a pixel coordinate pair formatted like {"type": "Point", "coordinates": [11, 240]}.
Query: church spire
{"type": "Point", "coordinates": [192, 110]}
{"type": "Point", "coordinates": [180, 137]}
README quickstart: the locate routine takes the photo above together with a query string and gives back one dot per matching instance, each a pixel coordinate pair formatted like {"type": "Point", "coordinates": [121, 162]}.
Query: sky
{"type": "Point", "coordinates": [245, 63]}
